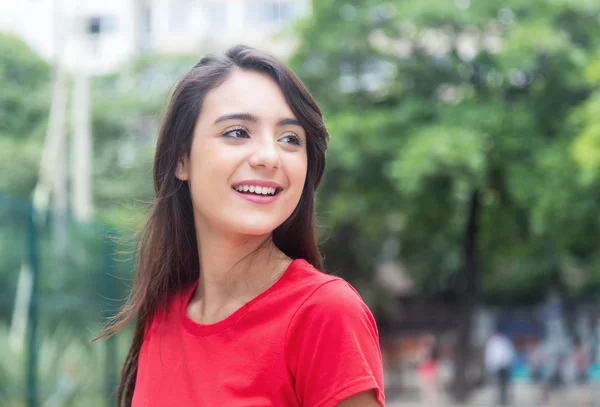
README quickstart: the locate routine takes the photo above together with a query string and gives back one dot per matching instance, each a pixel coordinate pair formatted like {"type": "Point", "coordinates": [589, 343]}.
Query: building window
{"type": "Point", "coordinates": [145, 35]}
{"type": "Point", "coordinates": [285, 12]}
{"type": "Point", "coordinates": [97, 25]}
{"type": "Point", "coordinates": [216, 14]}
{"type": "Point", "coordinates": [147, 20]}
{"type": "Point", "coordinates": [178, 16]}
{"type": "Point", "coordinates": [270, 12]}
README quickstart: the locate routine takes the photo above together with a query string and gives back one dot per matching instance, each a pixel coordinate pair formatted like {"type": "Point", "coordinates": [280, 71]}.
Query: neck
{"type": "Point", "coordinates": [233, 270]}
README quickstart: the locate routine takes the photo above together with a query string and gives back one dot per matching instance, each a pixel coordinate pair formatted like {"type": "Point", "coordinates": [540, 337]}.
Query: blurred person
{"type": "Point", "coordinates": [581, 362]}
{"type": "Point", "coordinates": [536, 358]}
{"type": "Point", "coordinates": [428, 371]}
{"type": "Point", "coordinates": [233, 307]}
{"type": "Point", "coordinates": [553, 391]}
{"type": "Point", "coordinates": [499, 358]}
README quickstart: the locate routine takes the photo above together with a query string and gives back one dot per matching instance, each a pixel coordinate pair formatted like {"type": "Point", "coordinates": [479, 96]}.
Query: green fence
{"type": "Point", "coordinates": [59, 280]}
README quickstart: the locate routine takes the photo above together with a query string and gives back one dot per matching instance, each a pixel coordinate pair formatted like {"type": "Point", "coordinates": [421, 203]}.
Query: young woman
{"type": "Point", "coordinates": [232, 305]}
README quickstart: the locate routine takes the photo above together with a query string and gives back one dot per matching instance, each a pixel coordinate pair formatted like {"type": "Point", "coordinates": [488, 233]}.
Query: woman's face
{"type": "Point", "coordinates": [248, 161]}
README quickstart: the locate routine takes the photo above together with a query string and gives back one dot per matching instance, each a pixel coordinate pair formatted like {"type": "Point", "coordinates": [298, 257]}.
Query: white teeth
{"type": "Point", "coordinates": [256, 189]}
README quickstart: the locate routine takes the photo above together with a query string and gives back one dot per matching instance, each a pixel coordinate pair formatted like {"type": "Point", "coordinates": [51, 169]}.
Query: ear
{"type": "Point", "coordinates": [182, 170]}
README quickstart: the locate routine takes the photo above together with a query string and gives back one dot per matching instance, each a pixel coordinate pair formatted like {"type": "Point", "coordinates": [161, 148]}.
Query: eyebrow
{"type": "Point", "coordinates": [288, 121]}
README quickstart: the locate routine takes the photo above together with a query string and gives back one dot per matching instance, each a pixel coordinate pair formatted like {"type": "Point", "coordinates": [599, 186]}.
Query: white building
{"type": "Point", "coordinates": [102, 35]}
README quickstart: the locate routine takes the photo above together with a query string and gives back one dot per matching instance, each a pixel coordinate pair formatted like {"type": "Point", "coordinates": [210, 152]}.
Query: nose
{"type": "Point", "coordinates": [266, 154]}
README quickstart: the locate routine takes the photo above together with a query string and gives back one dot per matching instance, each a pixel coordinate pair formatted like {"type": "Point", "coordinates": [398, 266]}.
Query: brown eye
{"type": "Point", "coordinates": [292, 139]}
{"type": "Point", "coordinates": [238, 133]}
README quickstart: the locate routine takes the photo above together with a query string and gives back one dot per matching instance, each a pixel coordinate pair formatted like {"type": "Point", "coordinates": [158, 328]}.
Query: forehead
{"type": "Point", "coordinates": [246, 92]}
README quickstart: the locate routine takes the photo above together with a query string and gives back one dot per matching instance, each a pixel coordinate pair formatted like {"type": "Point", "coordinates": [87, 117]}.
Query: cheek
{"type": "Point", "coordinates": [298, 170]}
{"type": "Point", "coordinates": [209, 165]}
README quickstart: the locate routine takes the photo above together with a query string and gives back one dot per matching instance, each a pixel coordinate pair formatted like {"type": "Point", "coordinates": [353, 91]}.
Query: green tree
{"type": "Point", "coordinates": [24, 80]}
{"type": "Point", "coordinates": [585, 150]}
{"type": "Point", "coordinates": [453, 118]}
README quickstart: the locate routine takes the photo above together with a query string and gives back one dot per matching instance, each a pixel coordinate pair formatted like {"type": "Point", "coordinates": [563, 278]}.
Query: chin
{"type": "Point", "coordinates": [254, 228]}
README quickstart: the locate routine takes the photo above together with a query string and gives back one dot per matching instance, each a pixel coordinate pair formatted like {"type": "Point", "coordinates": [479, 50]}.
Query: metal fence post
{"type": "Point", "coordinates": [32, 351]}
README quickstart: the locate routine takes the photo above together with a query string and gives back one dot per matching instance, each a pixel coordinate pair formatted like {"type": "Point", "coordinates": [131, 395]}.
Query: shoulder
{"type": "Point", "coordinates": [332, 344]}
{"type": "Point", "coordinates": [334, 297]}
{"type": "Point", "coordinates": [167, 311]}
{"type": "Point", "coordinates": [326, 295]}
{"type": "Point", "coordinates": [330, 303]}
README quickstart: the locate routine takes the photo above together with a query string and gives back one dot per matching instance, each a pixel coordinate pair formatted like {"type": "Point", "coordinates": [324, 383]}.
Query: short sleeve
{"type": "Point", "coordinates": [332, 347]}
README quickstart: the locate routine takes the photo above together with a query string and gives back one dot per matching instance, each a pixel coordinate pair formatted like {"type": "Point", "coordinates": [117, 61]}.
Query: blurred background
{"type": "Point", "coordinates": [461, 198]}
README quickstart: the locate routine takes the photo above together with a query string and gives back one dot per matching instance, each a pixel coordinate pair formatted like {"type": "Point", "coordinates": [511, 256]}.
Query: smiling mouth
{"type": "Point", "coordinates": [256, 190]}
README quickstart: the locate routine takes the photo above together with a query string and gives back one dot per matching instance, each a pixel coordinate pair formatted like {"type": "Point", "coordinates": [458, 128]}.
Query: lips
{"type": "Point", "coordinates": [255, 189]}
{"type": "Point", "coordinates": [258, 191]}
{"type": "Point", "coordinates": [258, 187]}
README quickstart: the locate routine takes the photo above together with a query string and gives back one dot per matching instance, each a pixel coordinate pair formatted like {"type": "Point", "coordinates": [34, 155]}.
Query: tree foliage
{"type": "Point", "coordinates": [24, 80]}
{"type": "Point", "coordinates": [428, 101]}
{"type": "Point", "coordinates": [456, 118]}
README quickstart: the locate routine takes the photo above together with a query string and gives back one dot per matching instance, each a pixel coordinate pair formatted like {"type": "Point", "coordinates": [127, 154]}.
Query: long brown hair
{"type": "Point", "coordinates": [168, 254]}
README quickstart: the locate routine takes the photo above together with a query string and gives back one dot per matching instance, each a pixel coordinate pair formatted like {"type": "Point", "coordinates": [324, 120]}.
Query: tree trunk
{"type": "Point", "coordinates": [469, 289]}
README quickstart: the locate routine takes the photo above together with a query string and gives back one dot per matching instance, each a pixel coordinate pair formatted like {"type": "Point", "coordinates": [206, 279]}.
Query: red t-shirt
{"type": "Point", "coordinates": [309, 340]}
